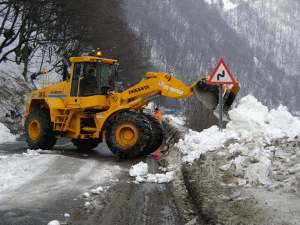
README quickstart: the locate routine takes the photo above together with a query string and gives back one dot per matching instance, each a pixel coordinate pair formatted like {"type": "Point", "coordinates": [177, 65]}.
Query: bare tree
{"type": "Point", "coordinates": [50, 28]}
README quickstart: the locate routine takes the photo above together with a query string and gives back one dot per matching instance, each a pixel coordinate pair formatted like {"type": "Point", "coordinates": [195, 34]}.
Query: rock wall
{"type": "Point", "coordinates": [13, 96]}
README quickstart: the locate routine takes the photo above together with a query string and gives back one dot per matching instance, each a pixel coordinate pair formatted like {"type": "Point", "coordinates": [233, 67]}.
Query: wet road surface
{"type": "Point", "coordinates": [59, 187]}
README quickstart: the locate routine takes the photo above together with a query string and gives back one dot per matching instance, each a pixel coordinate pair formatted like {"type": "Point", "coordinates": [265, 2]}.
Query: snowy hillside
{"type": "Point", "coordinates": [257, 40]}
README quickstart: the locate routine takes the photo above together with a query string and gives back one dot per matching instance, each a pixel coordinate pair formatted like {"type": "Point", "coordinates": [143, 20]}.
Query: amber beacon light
{"type": "Point", "coordinates": [98, 53]}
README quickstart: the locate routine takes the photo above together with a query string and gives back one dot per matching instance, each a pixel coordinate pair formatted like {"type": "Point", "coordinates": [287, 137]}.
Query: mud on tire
{"type": "Point", "coordinates": [157, 134]}
{"type": "Point", "coordinates": [128, 134]}
{"type": "Point", "coordinates": [39, 130]}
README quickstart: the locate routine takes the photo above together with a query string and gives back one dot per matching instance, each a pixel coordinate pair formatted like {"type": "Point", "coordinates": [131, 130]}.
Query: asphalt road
{"type": "Point", "coordinates": [59, 188]}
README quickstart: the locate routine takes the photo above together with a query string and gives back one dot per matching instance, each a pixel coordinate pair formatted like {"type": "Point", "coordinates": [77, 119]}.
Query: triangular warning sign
{"type": "Point", "coordinates": [221, 75]}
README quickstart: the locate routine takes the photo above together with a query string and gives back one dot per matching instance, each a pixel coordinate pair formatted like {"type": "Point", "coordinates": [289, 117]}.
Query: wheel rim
{"type": "Point", "coordinates": [34, 129]}
{"type": "Point", "coordinates": [127, 135]}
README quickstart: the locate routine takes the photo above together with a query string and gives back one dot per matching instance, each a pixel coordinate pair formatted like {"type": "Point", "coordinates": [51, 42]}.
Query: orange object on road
{"type": "Point", "coordinates": [158, 156]}
{"type": "Point", "coordinates": [158, 114]}
{"type": "Point", "coordinates": [157, 153]}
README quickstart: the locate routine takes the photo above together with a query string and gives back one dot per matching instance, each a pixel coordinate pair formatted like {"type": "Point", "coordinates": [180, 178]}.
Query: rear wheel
{"type": "Point", "coordinates": [157, 134]}
{"type": "Point", "coordinates": [128, 134]}
{"type": "Point", "coordinates": [86, 144]}
{"type": "Point", "coordinates": [39, 130]}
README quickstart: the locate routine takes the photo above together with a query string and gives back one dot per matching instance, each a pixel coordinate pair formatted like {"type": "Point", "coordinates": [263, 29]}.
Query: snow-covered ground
{"type": "Point", "coordinates": [20, 172]}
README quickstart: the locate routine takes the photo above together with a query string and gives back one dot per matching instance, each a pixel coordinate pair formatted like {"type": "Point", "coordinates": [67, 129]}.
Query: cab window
{"type": "Point", "coordinates": [93, 79]}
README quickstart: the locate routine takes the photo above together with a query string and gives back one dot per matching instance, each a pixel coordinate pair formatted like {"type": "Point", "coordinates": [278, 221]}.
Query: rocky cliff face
{"type": "Point", "coordinates": [14, 90]}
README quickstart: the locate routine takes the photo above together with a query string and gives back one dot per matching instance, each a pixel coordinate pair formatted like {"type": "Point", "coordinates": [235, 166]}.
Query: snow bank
{"type": "Point", "coordinates": [250, 122]}
{"type": "Point", "coordinates": [249, 137]}
{"type": "Point", "coordinates": [5, 135]}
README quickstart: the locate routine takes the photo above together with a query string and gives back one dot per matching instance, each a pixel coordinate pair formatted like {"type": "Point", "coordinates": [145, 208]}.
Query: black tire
{"type": "Point", "coordinates": [128, 134]}
{"type": "Point", "coordinates": [158, 134]}
{"type": "Point", "coordinates": [84, 145]}
{"type": "Point", "coordinates": [39, 130]}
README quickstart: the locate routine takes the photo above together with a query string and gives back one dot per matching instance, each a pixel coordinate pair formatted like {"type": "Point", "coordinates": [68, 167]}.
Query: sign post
{"type": "Point", "coordinates": [220, 76]}
{"type": "Point", "coordinates": [221, 107]}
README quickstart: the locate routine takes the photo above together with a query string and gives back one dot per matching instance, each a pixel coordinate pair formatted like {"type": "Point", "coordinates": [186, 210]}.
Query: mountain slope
{"type": "Point", "coordinates": [188, 38]}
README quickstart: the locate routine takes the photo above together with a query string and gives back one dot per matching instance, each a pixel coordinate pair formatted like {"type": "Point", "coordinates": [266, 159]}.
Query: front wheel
{"type": "Point", "coordinates": [128, 134]}
{"type": "Point", "coordinates": [38, 130]}
{"type": "Point", "coordinates": [157, 134]}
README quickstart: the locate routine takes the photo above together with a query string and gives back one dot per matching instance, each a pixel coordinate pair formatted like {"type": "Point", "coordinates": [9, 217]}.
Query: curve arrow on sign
{"type": "Point", "coordinates": [221, 75]}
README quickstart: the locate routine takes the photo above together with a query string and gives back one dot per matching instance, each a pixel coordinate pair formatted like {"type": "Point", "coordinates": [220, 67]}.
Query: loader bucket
{"type": "Point", "coordinates": [208, 94]}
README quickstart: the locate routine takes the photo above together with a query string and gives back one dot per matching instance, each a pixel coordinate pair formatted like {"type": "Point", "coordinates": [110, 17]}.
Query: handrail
{"type": "Point", "coordinates": [45, 80]}
{"type": "Point", "coordinates": [79, 86]}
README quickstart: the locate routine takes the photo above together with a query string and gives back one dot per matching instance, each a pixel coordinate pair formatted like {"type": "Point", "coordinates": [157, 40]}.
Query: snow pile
{"type": "Point", "coordinates": [5, 135]}
{"type": "Point", "coordinates": [54, 222]}
{"type": "Point", "coordinates": [31, 153]}
{"type": "Point", "coordinates": [97, 190]}
{"type": "Point", "coordinates": [250, 122]}
{"type": "Point", "coordinates": [156, 178]}
{"type": "Point", "coordinates": [86, 195]}
{"type": "Point", "coordinates": [140, 171]}
{"type": "Point", "coordinates": [249, 144]}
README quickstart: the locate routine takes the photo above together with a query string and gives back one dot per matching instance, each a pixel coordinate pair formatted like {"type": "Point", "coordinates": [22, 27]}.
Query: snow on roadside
{"type": "Point", "coordinates": [18, 169]}
{"type": "Point", "coordinates": [140, 171]}
{"type": "Point", "coordinates": [250, 122]}
{"type": "Point", "coordinates": [249, 137]}
{"type": "Point", "coordinates": [5, 135]}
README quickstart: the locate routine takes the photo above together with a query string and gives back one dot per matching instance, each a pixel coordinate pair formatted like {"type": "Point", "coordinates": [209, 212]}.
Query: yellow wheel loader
{"type": "Point", "coordinates": [87, 108]}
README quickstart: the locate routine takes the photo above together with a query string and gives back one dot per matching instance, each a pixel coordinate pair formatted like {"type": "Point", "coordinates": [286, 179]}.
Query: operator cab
{"type": "Point", "coordinates": [92, 76]}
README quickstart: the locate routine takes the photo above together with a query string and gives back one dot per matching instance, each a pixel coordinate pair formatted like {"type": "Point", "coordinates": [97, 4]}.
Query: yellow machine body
{"type": "Point", "coordinates": [78, 116]}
